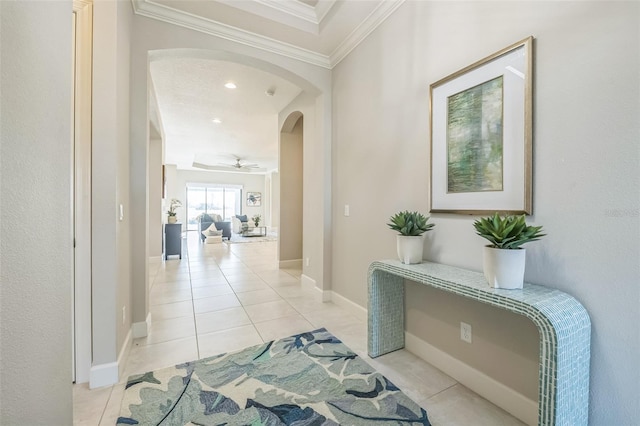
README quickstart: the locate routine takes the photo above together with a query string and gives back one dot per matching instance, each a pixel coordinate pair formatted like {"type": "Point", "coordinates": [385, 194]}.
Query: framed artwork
{"type": "Point", "coordinates": [481, 135]}
{"type": "Point", "coordinates": [254, 199]}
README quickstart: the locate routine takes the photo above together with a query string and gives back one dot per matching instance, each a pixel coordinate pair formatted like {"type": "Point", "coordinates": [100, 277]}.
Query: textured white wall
{"type": "Point", "coordinates": [586, 162]}
{"type": "Point", "coordinates": [35, 165]}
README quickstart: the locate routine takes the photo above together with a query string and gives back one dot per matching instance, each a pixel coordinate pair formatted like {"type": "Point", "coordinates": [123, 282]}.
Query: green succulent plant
{"type": "Point", "coordinates": [410, 223]}
{"type": "Point", "coordinates": [508, 232]}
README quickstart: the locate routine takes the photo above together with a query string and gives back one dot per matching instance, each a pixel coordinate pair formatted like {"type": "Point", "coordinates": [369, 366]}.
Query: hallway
{"type": "Point", "coordinates": [224, 297]}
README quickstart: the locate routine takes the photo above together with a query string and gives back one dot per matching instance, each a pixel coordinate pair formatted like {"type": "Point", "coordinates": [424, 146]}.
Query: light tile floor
{"type": "Point", "coordinates": [221, 297]}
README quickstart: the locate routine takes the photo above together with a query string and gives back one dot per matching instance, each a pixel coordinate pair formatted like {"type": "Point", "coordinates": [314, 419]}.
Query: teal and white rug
{"type": "Point", "coordinates": [307, 379]}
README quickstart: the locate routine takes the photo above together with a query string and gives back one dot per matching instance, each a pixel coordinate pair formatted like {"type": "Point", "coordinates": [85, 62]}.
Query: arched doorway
{"type": "Point", "coordinates": [316, 103]}
{"type": "Point", "coordinates": [291, 192]}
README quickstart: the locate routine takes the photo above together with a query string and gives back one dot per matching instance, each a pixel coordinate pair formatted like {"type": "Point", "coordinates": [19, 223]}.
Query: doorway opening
{"type": "Point", "coordinates": [291, 192]}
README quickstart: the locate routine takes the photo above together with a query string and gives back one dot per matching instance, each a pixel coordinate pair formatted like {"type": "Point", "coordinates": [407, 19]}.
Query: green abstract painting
{"type": "Point", "coordinates": [475, 138]}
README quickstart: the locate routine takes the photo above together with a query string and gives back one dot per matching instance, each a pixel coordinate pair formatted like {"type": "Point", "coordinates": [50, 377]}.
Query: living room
{"type": "Point", "coordinates": [368, 150]}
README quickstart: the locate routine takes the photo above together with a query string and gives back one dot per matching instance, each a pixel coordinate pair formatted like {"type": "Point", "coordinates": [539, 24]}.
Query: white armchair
{"type": "Point", "coordinates": [240, 227]}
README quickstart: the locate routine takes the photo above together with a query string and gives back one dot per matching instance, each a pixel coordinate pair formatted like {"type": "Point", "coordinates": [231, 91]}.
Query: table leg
{"type": "Point", "coordinates": [386, 313]}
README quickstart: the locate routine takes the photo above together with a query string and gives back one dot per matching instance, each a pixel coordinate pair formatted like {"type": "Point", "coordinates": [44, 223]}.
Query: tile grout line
{"type": "Point", "coordinates": [253, 324]}
{"type": "Point", "coordinates": [193, 307]}
{"type": "Point", "coordinates": [104, 410]}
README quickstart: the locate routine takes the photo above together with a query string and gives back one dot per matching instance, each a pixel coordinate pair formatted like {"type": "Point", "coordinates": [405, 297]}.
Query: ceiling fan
{"type": "Point", "coordinates": [237, 166]}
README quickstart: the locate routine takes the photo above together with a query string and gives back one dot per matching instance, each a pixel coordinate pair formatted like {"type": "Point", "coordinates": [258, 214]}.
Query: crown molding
{"type": "Point", "coordinates": [169, 15]}
{"type": "Point", "coordinates": [322, 8]}
{"type": "Point", "coordinates": [172, 16]}
{"type": "Point", "coordinates": [362, 31]}
{"type": "Point", "coordinates": [301, 10]}
{"type": "Point", "coordinates": [294, 8]}
{"type": "Point", "coordinates": [292, 13]}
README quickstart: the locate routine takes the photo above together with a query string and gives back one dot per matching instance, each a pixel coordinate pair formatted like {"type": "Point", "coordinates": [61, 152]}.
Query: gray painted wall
{"type": "Point", "coordinates": [111, 238]}
{"type": "Point", "coordinates": [291, 179]}
{"type": "Point", "coordinates": [586, 172]}
{"type": "Point", "coordinates": [35, 266]}
{"type": "Point", "coordinates": [316, 197]}
{"type": "Point", "coordinates": [156, 212]}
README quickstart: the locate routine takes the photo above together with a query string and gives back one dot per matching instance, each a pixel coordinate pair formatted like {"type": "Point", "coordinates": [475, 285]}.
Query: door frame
{"type": "Point", "coordinates": [81, 190]}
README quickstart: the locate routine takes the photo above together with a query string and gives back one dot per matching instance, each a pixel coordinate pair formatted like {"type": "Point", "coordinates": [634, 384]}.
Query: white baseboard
{"type": "Point", "coordinates": [103, 375]}
{"type": "Point", "coordinates": [355, 309]}
{"type": "Point", "coordinates": [141, 329]}
{"type": "Point", "coordinates": [290, 264]}
{"type": "Point", "coordinates": [504, 397]}
{"type": "Point", "coordinates": [307, 282]}
{"type": "Point", "coordinates": [124, 353]}
{"type": "Point", "coordinates": [109, 374]}
{"type": "Point", "coordinates": [155, 259]}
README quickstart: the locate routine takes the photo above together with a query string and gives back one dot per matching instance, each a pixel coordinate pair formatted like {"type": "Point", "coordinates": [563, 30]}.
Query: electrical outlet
{"type": "Point", "coordinates": [346, 210]}
{"type": "Point", "coordinates": [307, 262]}
{"type": "Point", "coordinates": [124, 314]}
{"type": "Point", "coordinates": [465, 332]}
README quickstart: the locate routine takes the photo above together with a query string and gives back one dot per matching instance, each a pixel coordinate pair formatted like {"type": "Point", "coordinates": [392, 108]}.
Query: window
{"type": "Point", "coordinates": [212, 199]}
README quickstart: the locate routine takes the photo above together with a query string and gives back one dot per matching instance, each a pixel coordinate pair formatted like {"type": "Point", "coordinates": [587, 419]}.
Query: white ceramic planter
{"type": "Point", "coordinates": [172, 219]}
{"type": "Point", "coordinates": [410, 249]}
{"type": "Point", "coordinates": [504, 268]}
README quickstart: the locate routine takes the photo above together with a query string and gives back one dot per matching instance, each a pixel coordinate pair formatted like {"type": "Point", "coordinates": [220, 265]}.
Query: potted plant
{"type": "Point", "coordinates": [256, 220]}
{"type": "Point", "coordinates": [411, 226]}
{"type": "Point", "coordinates": [172, 213]}
{"type": "Point", "coordinates": [504, 259]}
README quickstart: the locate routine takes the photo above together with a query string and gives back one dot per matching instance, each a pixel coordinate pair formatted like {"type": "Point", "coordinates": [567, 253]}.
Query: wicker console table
{"type": "Point", "coordinates": [563, 323]}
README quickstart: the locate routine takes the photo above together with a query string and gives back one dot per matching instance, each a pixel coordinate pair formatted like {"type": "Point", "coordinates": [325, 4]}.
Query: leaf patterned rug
{"type": "Point", "coordinates": [307, 379]}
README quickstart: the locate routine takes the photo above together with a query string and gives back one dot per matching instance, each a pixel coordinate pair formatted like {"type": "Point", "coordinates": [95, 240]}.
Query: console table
{"type": "Point", "coordinates": [563, 323]}
{"type": "Point", "coordinates": [172, 239]}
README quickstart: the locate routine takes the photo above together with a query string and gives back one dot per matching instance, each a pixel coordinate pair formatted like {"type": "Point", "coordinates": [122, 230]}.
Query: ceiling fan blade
{"type": "Point", "coordinates": [230, 167]}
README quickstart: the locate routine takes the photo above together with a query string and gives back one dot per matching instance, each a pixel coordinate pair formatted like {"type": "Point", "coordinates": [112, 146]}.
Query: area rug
{"type": "Point", "coordinates": [238, 239]}
{"type": "Point", "coordinates": [307, 379]}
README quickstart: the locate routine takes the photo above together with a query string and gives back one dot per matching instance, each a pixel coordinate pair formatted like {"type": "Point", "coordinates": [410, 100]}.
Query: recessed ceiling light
{"type": "Point", "coordinates": [217, 120]}
{"type": "Point", "coordinates": [230, 85]}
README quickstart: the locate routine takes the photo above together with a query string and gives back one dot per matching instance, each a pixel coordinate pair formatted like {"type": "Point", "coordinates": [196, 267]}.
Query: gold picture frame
{"type": "Point", "coordinates": [481, 135]}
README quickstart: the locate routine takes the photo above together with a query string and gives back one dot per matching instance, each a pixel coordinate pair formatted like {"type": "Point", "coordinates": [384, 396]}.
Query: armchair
{"type": "Point", "coordinates": [241, 224]}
